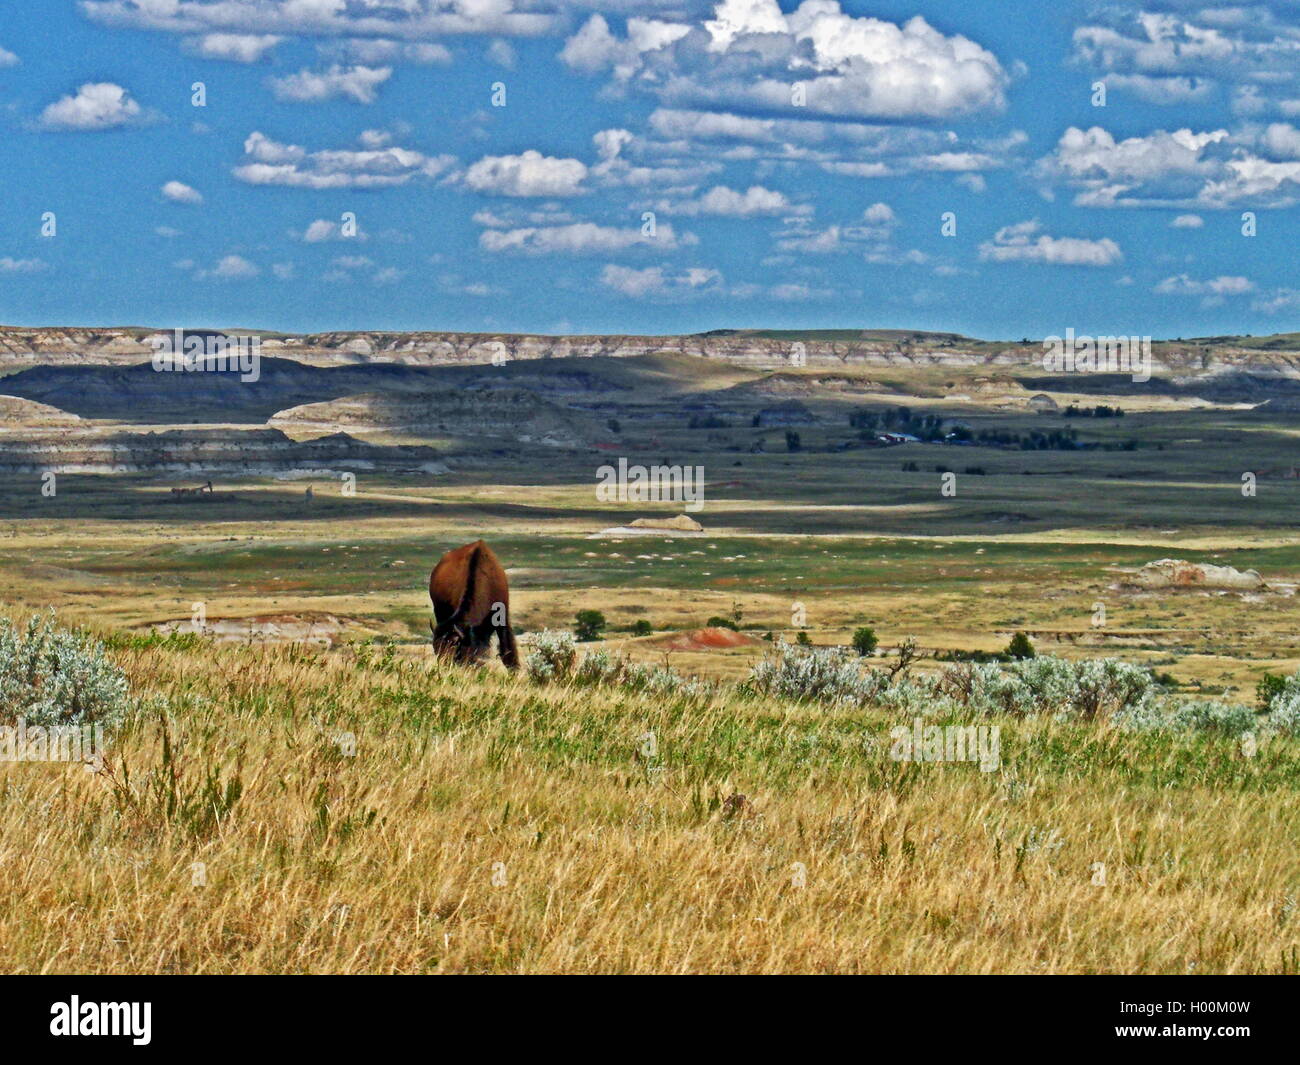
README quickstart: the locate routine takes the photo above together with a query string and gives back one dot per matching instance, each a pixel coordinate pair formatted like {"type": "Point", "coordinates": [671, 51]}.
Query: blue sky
{"type": "Point", "coordinates": [662, 167]}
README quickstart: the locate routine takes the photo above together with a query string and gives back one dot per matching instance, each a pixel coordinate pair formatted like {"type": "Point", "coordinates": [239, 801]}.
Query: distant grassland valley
{"type": "Point", "coordinates": [766, 586]}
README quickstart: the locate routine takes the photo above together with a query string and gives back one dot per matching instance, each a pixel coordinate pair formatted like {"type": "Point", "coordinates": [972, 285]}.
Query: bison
{"type": "Point", "coordinates": [471, 601]}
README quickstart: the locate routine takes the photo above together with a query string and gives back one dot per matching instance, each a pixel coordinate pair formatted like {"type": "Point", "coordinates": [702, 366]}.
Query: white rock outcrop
{"type": "Point", "coordinates": [1177, 573]}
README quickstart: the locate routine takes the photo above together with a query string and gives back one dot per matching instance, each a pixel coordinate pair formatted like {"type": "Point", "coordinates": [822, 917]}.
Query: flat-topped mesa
{"type": "Point", "coordinates": [767, 349]}
{"type": "Point", "coordinates": [53, 346]}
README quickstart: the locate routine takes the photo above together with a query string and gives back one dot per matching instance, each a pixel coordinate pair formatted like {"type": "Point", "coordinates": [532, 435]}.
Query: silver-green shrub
{"type": "Point", "coordinates": [1095, 688]}
{"type": "Point", "coordinates": [553, 656]}
{"type": "Point", "coordinates": [53, 676]}
{"type": "Point", "coordinates": [600, 667]}
{"type": "Point", "coordinates": [1045, 685]}
{"type": "Point", "coordinates": [821, 674]}
{"type": "Point", "coordinates": [1284, 709]}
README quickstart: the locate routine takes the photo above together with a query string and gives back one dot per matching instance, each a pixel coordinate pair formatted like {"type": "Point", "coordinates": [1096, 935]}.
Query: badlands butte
{"type": "Point", "coordinates": [924, 484]}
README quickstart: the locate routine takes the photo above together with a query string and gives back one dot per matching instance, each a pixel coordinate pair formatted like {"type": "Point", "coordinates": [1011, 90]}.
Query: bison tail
{"type": "Point", "coordinates": [509, 648]}
{"type": "Point", "coordinates": [471, 581]}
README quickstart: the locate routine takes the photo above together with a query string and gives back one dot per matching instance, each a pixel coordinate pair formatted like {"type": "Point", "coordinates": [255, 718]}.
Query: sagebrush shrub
{"type": "Point", "coordinates": [600, 667]}
{"type": "Point", "coordinates": [1090, 689]}
{"type": "Point", "coordinates": [553, 656]}
{"type": "Point", "coordinates": [1209, 715]}
{"type": "Point", "coordinates": [1284, 707]}
{"type": "Point", "coordinates": [1030, 686]}
{"type": "Point", "coordinates": [663, 680]}
{"type": "Point", "coordinates": [823, 674]}
{"type": "Point", "coordinates": [53, 676]}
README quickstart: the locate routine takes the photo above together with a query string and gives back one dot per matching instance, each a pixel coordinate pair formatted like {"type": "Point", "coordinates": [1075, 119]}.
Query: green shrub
{"type": "Point", "coordinates": [865, 642]}
{"type": "Point", "coordinates": [1020, 647]}
{"type": "Point", "coordinates": [589, 625]}
{"type": "Point", "coordinates": [1208, 715]}
{"type": "Point", "coordinates": [1270, 686]}
{"type": "Point", "coordinates": [719, 622]}
{"type": "Point", "coordinates": [641, 627]}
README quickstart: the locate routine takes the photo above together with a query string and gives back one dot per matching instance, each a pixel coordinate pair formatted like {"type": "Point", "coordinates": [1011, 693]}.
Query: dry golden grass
{"type": "Point", "coordinates": [387, 861]}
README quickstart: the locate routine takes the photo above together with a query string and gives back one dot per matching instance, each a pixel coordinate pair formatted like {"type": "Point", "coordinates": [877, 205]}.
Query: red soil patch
{"type": "Point", "coordinates": [707, 640]}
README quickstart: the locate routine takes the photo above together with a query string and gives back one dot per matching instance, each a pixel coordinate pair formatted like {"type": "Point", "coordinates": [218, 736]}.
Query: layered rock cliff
{"type": "Point", "coordinates": [205, 453]}
{"type": "Point", "coordinates": [25, 347]}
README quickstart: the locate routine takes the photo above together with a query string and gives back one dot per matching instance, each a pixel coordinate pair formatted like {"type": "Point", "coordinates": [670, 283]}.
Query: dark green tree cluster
{"type": "Point", "coordinates": [927, 427]}
{"type": "Point", "coordinates": [589, 625]}
{"type": "Point", "coordinates": [1099, 411]}
{"type": "Point", "coordinates": [1034, 440]}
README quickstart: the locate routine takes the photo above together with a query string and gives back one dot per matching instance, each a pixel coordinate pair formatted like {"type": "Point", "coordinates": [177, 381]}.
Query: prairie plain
{"type": "Point", "coordinates": [1032, 509]}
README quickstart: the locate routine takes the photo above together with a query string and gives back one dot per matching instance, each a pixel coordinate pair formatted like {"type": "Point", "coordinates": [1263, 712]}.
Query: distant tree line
{"type": "Point", "coordinates": [934, 428]}
{"type": "Point", "coordinates": [1034, 440]}
{"type": "Point", "coordinates": [1047, 440]}
{"type": "Point", "coordinates": [928, 427]}
{"type": "Point", "coordinates": [708, 421]}
{"type": "Point", "coordinates": [1099, 411]}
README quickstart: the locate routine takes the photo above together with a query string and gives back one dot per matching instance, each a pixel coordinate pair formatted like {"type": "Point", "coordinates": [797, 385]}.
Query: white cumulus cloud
{"type": "Point", "coordinates": [360, 84]}
{"type": "Point", "coordinates": [234, 47]}
{"type": "Point", "coordinates": [179, 192]}
{"type": "Point", "coordinates": [94, 106]}
{"type": "Point", "coordinates": [272, 162]}
{"type": "Point", "coordinates": [227, 268]}
{"type": "Point", "coordinates": [1023, 242]}
{"type": "Point", "coordinates": [578, 238]}
{"type": "Point", "coordinates": [408, 19]}
{"type": "Point", "coordinates": [658, 281]}
{"type": "Point", "coordinates": [721, 200]}
{"type": "Point", "coordinates": [528, 174]}
{"type": "Point", "coordinates": [752, 56]}
{"type": "Point", "coordinates": [1182, 285]}
{"type": "Point", "coordinates": [1212, 169]}
{"type": "Point", "coordinates": [323, 229]}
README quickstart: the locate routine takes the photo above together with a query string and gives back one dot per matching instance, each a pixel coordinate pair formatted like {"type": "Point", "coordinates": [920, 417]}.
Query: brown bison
{"type": "Point", "coordinates": [471, 601]}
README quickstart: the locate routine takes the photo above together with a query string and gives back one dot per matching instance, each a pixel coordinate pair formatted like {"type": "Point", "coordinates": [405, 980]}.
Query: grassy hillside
{"type": "Point", "coordinates": [487, 824]}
